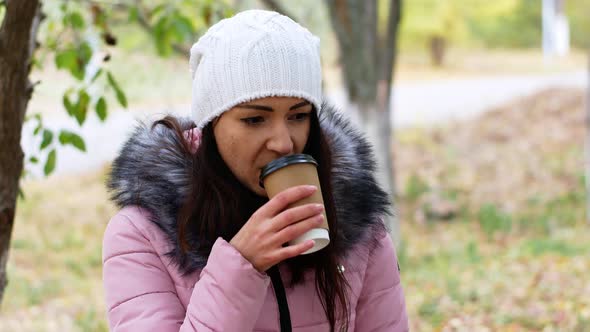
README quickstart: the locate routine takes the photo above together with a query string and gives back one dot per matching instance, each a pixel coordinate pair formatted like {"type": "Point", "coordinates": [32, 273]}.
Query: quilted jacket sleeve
{"type": "Point", "coordinates": [141, 296]}
{"type": "Point", "coordinates": [381, 305]}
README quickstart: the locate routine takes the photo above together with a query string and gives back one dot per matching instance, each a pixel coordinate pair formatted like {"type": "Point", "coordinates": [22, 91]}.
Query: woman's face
{"type": "Point", "coordinates": [254, 133]}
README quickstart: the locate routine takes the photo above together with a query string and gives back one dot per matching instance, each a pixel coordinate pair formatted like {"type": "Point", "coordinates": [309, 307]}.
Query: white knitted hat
{"type": "Point", "coordinates": [251, 55]}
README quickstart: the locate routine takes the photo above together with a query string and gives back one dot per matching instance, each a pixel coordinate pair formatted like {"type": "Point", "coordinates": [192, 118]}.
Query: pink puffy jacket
{"type": "Point", "coordinates": [144, 291]}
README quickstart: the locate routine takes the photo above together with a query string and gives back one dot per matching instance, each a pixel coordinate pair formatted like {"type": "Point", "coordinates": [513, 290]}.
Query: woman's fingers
{"type": "Point", "coordinates": [294, 250]}
{"type": "Point", "coordinates": [284, 199]}
{"type": "Point", "coordinates": [296, 214]}
{"type": "Point", "coordinates": [297, 229]}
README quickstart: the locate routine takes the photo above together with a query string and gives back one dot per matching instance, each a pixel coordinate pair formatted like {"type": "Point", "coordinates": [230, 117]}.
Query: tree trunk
{"type": "Point", "coordinates": [17, 43]}
{"type": "Point", "coordinates": [367, 63]}
{"type": "Point", "coordinates": [588, 146]}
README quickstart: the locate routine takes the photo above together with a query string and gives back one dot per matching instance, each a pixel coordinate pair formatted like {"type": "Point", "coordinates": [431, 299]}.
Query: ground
{"type": "Point", "coordinates": [491, 208]}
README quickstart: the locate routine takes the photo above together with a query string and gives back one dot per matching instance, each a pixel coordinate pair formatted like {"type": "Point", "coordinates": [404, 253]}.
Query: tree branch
{"type": "Point", "coordinates": [274, 5]}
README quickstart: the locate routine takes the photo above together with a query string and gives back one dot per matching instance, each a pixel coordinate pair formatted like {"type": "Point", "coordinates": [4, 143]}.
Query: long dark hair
{"type": "Point", "coordinates": [208, 213]}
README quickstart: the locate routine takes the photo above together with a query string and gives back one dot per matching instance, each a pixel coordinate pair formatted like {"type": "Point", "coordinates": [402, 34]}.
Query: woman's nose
{"type": "Point", "coordinates": [280, 140]}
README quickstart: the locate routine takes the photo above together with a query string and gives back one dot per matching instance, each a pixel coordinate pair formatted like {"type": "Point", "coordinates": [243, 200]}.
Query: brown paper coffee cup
{"type": "Point", "coordinates": [295, 170]}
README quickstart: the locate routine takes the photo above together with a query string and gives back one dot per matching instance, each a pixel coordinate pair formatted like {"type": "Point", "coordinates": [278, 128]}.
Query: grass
{"type": "Point", "coordinates": [55, 265]}
{"type": "Point", "coordinates": [512, 256]}
{"type": "Point", "coordinates": [454, 274]}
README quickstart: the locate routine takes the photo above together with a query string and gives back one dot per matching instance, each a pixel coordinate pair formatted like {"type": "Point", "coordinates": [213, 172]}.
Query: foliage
{"type": "Point", "coordinates": [516, 259]}
{"type": "Point", "coordinates": [424, 19]}
{"type": "Point", "coordinates": [577, 13]}
{"type": "Point", "coordinates": [518, 24]}
{"type": "Point", "coordinates": [79, 37]}
{"type": "Point", "coordinates": [501, 23]}
{"type": "Point", "coordinates": [178, 22]}
{"type": "Point", "coordinates": [76, 35]}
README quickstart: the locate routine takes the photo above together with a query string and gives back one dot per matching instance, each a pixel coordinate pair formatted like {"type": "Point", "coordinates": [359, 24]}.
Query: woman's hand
{"type": "Point", "coordinates": [261, 239]}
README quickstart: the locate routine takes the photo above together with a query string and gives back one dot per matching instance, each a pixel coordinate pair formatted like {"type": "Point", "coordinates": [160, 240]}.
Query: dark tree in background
{"type": "Point", "coordinates": [367, 63]}
{"type": "Point", "coordinates": [17, 44]}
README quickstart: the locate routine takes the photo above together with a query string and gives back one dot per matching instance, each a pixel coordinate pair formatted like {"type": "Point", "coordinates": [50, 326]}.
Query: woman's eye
{"type": "Point", "coordinates": [253, 120]}
{"type": "Point", "coordinates": [300, 116]}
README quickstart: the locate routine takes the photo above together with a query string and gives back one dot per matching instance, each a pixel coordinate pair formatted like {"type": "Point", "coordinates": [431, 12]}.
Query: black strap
{"type": "Point", "coordinates": [277, 284]}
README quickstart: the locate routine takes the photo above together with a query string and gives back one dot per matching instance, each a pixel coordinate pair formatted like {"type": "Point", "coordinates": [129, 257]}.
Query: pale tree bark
{"type": "Point", "coordinates": [17, 44]}
{"type": "Point", "coordinates": [368, 60]}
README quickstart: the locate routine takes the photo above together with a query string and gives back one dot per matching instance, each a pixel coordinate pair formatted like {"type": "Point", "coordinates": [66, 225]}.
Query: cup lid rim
{"type": "Point", "coordinates": [286, 161]}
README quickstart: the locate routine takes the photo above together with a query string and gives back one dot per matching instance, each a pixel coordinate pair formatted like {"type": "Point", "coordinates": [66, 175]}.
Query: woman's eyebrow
{"type": "Point", "coordinates": [269, 109]}
{"type": "Point", "coordinates": [301, 104]}
{"type": "Point", "coordinates": [256, 107]}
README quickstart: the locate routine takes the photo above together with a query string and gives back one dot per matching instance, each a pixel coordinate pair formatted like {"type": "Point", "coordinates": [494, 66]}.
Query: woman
{"type": "Point", "coordinates": [198, 246]}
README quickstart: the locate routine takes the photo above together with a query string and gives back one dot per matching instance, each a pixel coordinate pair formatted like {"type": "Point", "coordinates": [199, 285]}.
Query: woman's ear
{"type": "Point", "coordinates": [193, 138]}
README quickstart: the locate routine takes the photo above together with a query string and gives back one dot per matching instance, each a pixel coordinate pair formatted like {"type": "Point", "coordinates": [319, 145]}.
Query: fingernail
{"type": "Point", "coordinates": [318, 207]}
{"type": "Point", "coordinates": [311, 188]}
{"type": "Point", "coordinates": [319, 219]}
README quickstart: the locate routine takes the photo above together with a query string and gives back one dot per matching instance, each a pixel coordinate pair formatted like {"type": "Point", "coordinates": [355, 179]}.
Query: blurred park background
{"type": "Point", "coordinates": [489, 106]}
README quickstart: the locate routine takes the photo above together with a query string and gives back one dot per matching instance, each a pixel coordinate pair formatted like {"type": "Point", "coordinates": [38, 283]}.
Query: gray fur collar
{"type": "Point", "coordinates": [152, 173]}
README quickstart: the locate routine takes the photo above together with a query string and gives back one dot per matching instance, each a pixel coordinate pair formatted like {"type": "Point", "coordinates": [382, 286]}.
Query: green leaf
{"type": "Point", "coordinates": [69, 59]}
{"type": "Point", "coordinates": [68, 105]}
{"type": "Point", "coordinates": [75, 20]}
{"type": "Point", "coordinates": [120, 94]}
{"type": "Point", "coordinates": [33, 160]}
{"type": "Point", "coordinates": [74, 59]}
{"type": "Point", "coordinates": [162, 35]}
{"type": "Point", "coordinates": [183, 25]}
{"type": "Point", "coordinates": [78, 142]}
{"type": "Point", "coordinates": [84, 54]}
{"type": "Point", "coordinates": [47, 139]}
{"type": "Point", "coordinates": [64, 137]}
{"type": "Point", "coordinates": [50, 163]}
{"type": "Point", "coordinates": [70, 138]}
{"type": "Point", "coordinates": [66, 59]}
{"type": "Point", "coordinates": [101, 109]}
{"type": "Point", "coordinates": [37, 129]}
{"type": "Point", "coordinates": [96, 75]}
{"type": "Point", "coordinates": [81, 108]}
